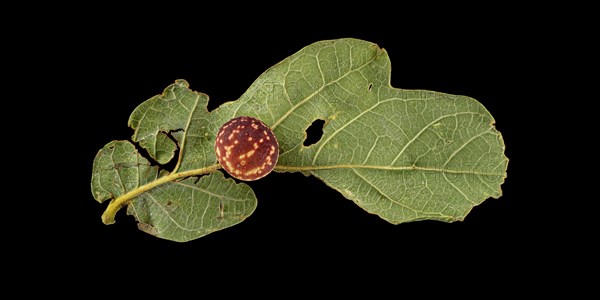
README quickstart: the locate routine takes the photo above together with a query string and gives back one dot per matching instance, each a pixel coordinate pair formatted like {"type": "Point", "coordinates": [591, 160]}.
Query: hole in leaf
{"type": "Point", "coordinates": [170, 165]}
{"type": "Point", "coordinates": [196, 179]}
{"type": "Point", "coordinates": [314, 132]}
{"type": "Point", "coordinates": [144, 153]}
{"type": "Point", "coordinates": [167, 166]}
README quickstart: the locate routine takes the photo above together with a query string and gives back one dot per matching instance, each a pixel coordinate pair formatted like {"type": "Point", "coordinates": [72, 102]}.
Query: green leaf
{"type": "Point", "coordinates": [404, 155]}
{"type": "Point", "coordinates": [171, 205]}
{"type": "Point", "coordinates": [118, 169]}
{"type": "Point", "coordinates": [187, 209]}
{"type": "Point", "coordinates": [181, 113]}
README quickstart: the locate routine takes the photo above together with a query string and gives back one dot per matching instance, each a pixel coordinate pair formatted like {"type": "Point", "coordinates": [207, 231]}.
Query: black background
{"type": "Point", "coordinates": [300, 225]}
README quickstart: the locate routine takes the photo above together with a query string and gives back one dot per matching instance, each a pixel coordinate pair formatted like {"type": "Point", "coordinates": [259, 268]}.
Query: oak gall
{"type": "Point", "coordinates": [246, 148]}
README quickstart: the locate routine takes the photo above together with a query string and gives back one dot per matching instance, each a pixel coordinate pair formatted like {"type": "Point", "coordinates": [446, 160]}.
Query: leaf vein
{"type": "Point", "coordinates": [173, 221]}
{"type": "Point", "coordinates": [371, 150]}
{"type": "Point", "coordinates": [485, 183]}
{"type": "Point", "coordinates": [206, 191]}
{"type": "Point", "coordinates": [425, 128]}
{"type": "Point", "coordinates": [118, 174]}
{"type": "Point", "coordinates": [185, 133]}
{"type": "Point", "coordinates": [204, 213]}
{"type": "Point", "coordinates": [283, 168]}
{"type": "Point", "coordinates": [463, 146]}
{"type": "Point", "coordinates": [354, 119]}
{"type": "Point", "coordinates": [300, 103]}
{"type": "Point", "coordinates": [459, 190]}
{"type": "Point", "coordinates": [381, 192]}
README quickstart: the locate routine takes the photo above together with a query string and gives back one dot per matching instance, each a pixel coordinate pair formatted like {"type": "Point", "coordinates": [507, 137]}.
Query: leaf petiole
{"type": "Point", "coordinates": [108, 217]}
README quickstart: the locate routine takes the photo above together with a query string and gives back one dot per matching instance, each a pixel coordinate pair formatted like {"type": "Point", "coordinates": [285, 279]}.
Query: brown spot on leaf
{"type": "Point", "coordinates": [147, 228]}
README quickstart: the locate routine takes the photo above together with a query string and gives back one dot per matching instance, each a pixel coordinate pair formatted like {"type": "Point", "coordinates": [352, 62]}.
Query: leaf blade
{"type": "Point", "coordinates": [115, 161]}
{"type": "Point", "coordinates": [181, 112]}
{"type": "Point", "coordinates": [189, 209]}
{"type": "Point", "coordinates": [404, 155]}
{"type": "Point", "coordinates": [375, 131]}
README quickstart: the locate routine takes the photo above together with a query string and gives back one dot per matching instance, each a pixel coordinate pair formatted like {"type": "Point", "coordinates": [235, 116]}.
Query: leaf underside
{"type": "Point", "coordinates": [194, 207]}
{"type": "Point", "coordinates": [404, 155]}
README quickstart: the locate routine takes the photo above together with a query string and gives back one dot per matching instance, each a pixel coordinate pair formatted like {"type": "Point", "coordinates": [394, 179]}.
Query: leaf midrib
{"type": "Point", "coordinates": [283, 168]}
{"type": "Point", "coordinates": [185, 134]}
